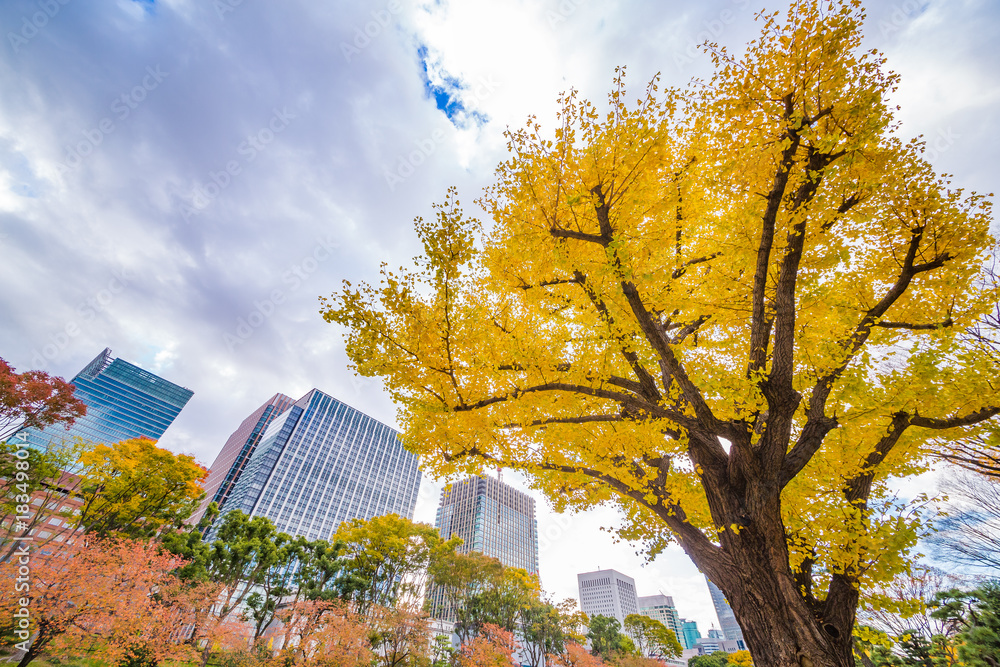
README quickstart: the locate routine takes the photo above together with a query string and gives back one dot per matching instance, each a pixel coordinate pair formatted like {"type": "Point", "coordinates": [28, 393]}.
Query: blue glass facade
{"type": "Point", "coordinates": [492, 518]}
{"type": "Point", "coordinates": [321, 462]}
{"type": "Point", "coordinates": [727, 619]}
{"type": "Point", "coordinates": [123, 402]}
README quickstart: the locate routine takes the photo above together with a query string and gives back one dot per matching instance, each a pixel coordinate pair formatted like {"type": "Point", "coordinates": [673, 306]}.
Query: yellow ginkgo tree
{"type": "Point", "coordinates": [736, 310]}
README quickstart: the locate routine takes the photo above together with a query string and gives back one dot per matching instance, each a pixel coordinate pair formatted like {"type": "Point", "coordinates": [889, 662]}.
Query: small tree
{"type": "Point", "coordinates": [105, 590]}
{"type": "Point", "coordinates": [605, 636]}
{"type": "Point", "coordinates": [493, 647]}
{"type": "Point", "coordinates": [35, 399]}
{"type": "Point", "coordinates": [651, 637]}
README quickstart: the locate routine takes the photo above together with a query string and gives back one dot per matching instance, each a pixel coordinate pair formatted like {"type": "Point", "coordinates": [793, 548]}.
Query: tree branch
{"type": "Point", "coordinates": [915, 327]}
{"type": "Point", "coordinates": [817, 423]}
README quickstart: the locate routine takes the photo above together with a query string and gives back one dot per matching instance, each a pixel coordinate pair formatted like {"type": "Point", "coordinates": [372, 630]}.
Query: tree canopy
{"type": "Point", "coordinates": [735, 310]}
{"type": "Point", "coordinates": [35, 399]}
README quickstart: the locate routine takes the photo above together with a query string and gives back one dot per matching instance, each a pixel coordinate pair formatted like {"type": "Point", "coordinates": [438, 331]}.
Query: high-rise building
{"type": "Point", "coordinates": [662, 609]}
{"type": "Point", "coordinates": [492, 518]}
{"type": "Point", "coordinates": [690, 633]}
{"type": "Point", "coordinates": [321, 462]}
{"type": "Point", "coordinates": [123, 402]}
{"type": "Point", "coordinates": [607, 593]}
{"type": "Point", "coordinates": [727, 619]}
{"type": "Point", "coordinates": [229, 464]}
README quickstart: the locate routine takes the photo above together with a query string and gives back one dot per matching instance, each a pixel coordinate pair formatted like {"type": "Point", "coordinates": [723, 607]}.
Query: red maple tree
{"type": "Point", "coordinates": [35, 398]}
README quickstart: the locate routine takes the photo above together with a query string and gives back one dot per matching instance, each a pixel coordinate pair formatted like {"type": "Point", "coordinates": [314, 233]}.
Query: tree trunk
{"type": "Point", "coordinates": [782, 623]}
{"type": "Point", "coordinates": [28, 657]}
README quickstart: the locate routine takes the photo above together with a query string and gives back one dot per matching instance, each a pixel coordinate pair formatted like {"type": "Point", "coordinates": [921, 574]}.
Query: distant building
{"type": "Point", "coordinates": [727, 619]}
{"type": "Point", "coordinates": [709, 645]}
{"type": "Point", "coordinates": [662, 609]}
{"type": "Point", "coordinates": [320, 463]}
{"type": "Point", "coordinates": [229, 464]}
{"type": "Point", "coordinates": [123, 402]}
{"type": "Point", "coordinates": [492, 518]}
{"type": "Point", "coordinates": [690, 633]}
{"type": "Point", "coordinates": [607, 593]}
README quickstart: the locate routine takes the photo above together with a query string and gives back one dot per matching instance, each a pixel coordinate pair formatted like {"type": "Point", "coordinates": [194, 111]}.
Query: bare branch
{"type": "Point", "coordinates": [915, 327]}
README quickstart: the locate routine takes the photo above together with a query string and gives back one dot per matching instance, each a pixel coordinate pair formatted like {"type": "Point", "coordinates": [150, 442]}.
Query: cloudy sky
{"type": "Point", "coordinates": [180, 179]}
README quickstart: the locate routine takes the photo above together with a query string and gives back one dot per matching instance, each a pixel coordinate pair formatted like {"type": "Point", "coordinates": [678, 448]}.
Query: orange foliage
{"type": "Point", "coordinates": [108, 590]}
{"type": "Point", "coordinates": [577, 656]}
{"type": "Point", "coordinates": [493, 647]}
{"type": "Point", "coordinates": [320, 633]}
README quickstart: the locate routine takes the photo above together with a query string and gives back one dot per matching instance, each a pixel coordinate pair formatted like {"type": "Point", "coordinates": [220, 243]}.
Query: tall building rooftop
{"type": "Point", "coordinates": [320, 463]}
{"type": "Point", "coordinates": [607, 593]}
{"type": "Point", "coordinates": [123, 402]}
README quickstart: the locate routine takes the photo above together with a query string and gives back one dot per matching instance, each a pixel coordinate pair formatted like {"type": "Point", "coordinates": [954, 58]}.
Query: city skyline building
{"type": "Point", "coordinates": [607, 593]}
{"type": "Point", "coordinates": [727, 619]}
{"type": "Point", "coordinates": [492, 518]}
{"type": "Point", "coordinates": [690, 634]}
{"type": "Point", "coordinates": [123, 402]}
{"type": "Point", "coordinates": [239, 447]}
{"type": "Point", "coordinates": [322, 462]}
{"type": "Point", "coordinates": [661, 608]}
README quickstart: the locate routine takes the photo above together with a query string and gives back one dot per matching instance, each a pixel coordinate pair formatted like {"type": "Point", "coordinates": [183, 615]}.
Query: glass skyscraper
{"type": "Point", "coordinates": [661, 608]}
{"type": "Point", "coordinates": [321, 462]}
{"type": "Point", "coordinates": [240, 446]}
{"type": "Point", "coordinates": [727, 619]}
{"type": "Point", "coordinates": [492, 518]}
{"type": "Point", "coordinates": [123, 402]}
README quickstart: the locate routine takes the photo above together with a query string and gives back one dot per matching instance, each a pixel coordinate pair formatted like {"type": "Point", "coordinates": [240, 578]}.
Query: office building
{"type": "Point", "coordinates": [607, 593]}
{"type": "Point", "coordinates": [320, 463]}
{"type": "Point", "coordinates": [661, 608]}
{"type": "Point", "coordinates": [229, 464]}
{"type": "Point", "coordinates": [123, 402]}
{"type": "Point", "coordinates": [690, 634]}
{"type": "Point", "coordinates": [492, 518]}
{"type": "Point", "coordinates": [727, 619]}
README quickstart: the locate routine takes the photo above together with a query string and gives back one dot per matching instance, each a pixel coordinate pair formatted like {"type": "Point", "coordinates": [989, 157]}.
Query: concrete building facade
{"type": "Point", "coordinates": [607, 593]}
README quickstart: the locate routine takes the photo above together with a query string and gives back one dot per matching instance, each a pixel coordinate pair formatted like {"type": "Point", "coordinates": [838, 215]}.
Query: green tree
{"type": "Point", "coordinates": [715, 307]}
{"type": "Point", "coordinates": [239, 559]}
{"type": "Point", "coordinates": [717, 659]}
{"type": "Point", "coordinates": [499, 603]}
{"type": "Point", "coordinates": [386, 559]}
{"type": "Point", "coordinates": [651, 637]}
{"type": "Point", "coordinates": [457, 576]}
{"type": "Point", "coordinates": [976, 617]}
{"type": "Point", "coordinates": [605, 636]}
{"type": "Point", "coordinates": [541, 629]}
